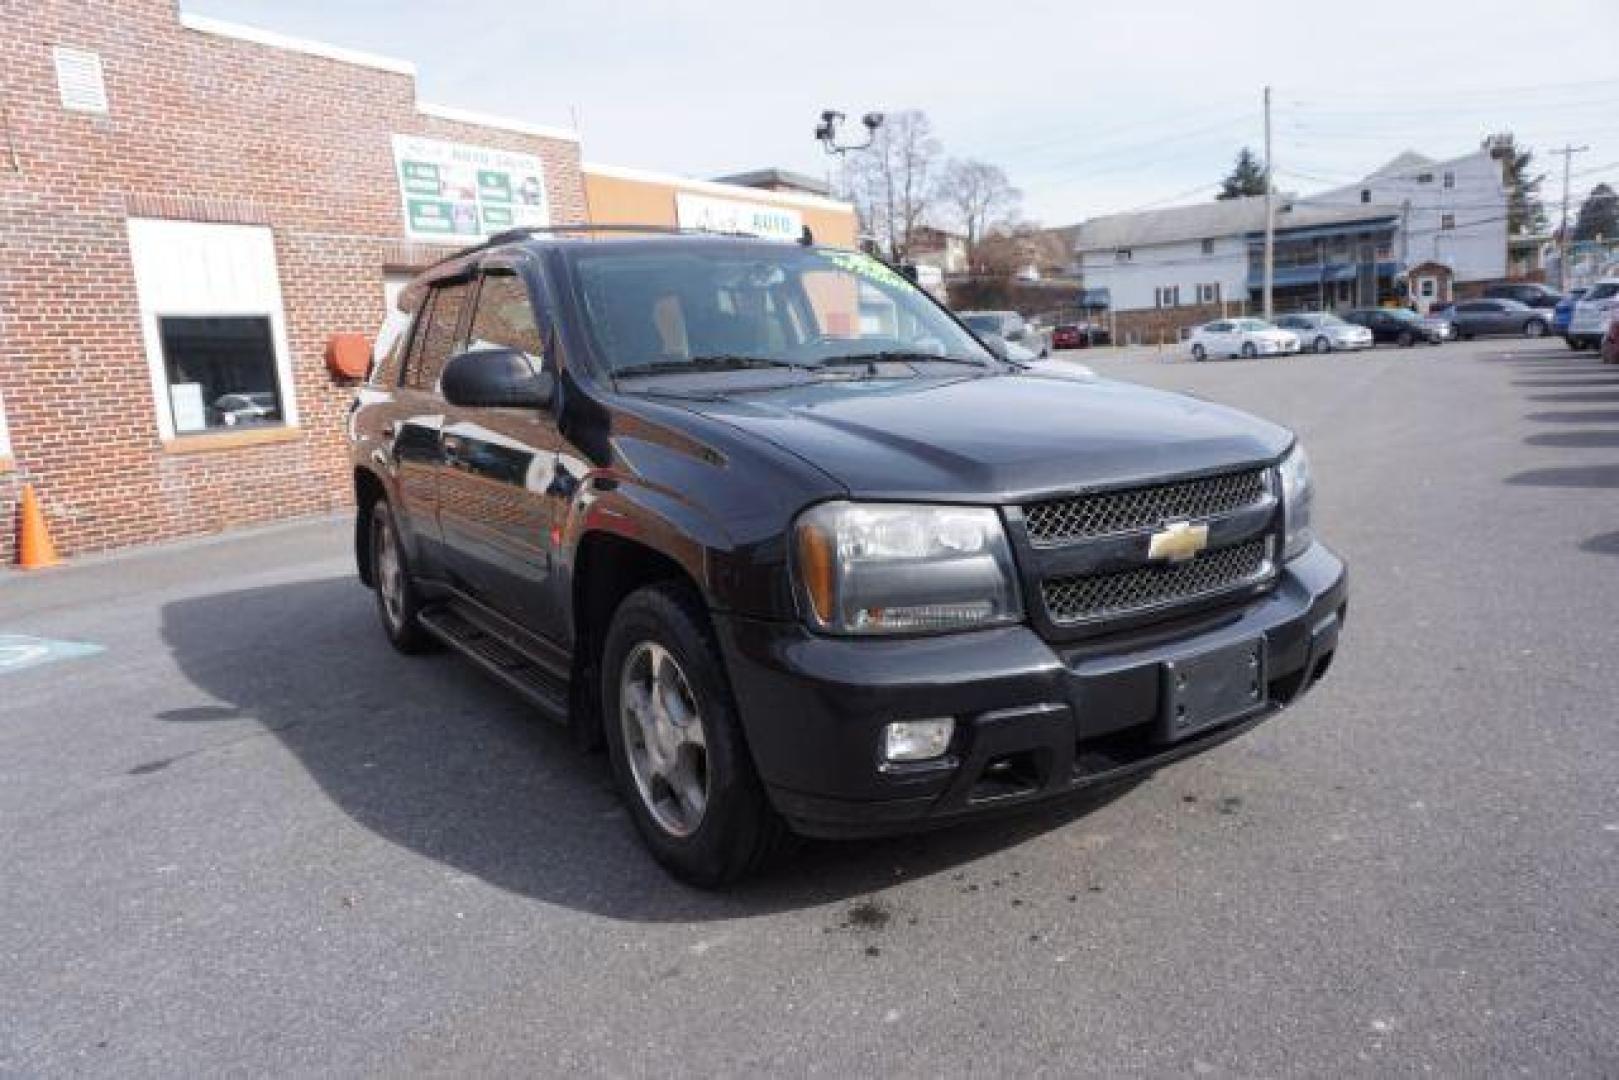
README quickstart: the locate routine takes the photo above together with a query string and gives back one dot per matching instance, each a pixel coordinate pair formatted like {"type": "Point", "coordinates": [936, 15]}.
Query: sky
{"type": "Point", "coordinates": [1090, 108]}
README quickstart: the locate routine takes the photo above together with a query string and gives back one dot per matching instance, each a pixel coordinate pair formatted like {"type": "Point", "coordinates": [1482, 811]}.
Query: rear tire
{"type": "Point", "coordinates": [1407, 339]}
{"type": "Point", "coordinates": [676, 743]}
{"type": "Point", "coordinates": [1249, 351]}
{"type": "Point", "coordinates": [1199, 354]}
{"type": "Point", "coordinates": [1534, 328]}
{"type": "Point", "coordinates": [398, 602]}
{"type": "Point", "coordinates": [1322, 345]}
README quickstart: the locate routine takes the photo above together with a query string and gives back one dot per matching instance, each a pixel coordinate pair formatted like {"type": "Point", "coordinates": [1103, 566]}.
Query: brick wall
{"type": "Point", "coordinates": [209, 128]}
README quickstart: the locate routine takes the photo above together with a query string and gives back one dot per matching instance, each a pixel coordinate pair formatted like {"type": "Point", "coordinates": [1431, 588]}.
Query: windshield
{"type": "Point", "coordinates": [711, 306]}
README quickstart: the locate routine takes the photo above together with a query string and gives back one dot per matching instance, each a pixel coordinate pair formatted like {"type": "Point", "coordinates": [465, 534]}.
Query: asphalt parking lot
{"type": "Point", "coordinates": [241, 834]}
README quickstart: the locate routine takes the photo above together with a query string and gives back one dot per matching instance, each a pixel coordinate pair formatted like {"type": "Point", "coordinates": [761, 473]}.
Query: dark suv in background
{"type": "Point", "coordinates": [805, 553]}
{"type": "Point", "coordinates": [1528, 293]}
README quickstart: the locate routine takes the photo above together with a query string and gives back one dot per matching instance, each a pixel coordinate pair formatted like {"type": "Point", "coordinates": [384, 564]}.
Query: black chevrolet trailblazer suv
{"type": "Point", "coordinates": [805, 553]}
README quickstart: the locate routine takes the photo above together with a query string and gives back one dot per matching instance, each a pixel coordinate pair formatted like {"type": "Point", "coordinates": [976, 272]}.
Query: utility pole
{"type": "Point", "coordinates": [1270, 215]}
{"type": "Point", "coordinates": [1568, 152]}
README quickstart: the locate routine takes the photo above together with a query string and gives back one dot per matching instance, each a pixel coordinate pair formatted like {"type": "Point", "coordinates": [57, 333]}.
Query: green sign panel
{"type": "Point", "coordinates": [454, 191]}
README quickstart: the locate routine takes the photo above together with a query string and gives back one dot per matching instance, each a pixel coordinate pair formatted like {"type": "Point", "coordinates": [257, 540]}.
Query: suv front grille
{"type": "Point", "coordinates": [1087, 598]}
{"type": "Point", "coordinates": [1064, 521]}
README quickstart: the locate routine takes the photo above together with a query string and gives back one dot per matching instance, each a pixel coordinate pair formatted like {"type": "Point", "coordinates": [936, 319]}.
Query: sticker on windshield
{"type": "Point", "coordinates": [856, 263]}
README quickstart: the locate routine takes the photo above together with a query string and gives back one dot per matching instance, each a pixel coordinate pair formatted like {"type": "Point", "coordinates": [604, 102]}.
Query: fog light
{"type": "Point", "coordinates": [917, 740]}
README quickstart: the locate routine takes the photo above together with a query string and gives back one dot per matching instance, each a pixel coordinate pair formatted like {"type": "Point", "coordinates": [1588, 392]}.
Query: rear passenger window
{"type": "Point", "coordinates": [387, 369]}
{"type": "Point", "coordinates": [435, 338]}
{"type": "Point", "coordinates": [504, 319]}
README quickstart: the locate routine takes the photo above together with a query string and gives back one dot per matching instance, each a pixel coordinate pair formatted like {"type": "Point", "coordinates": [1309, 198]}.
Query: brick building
{"type": "Point", "coordinates": [189, 210]}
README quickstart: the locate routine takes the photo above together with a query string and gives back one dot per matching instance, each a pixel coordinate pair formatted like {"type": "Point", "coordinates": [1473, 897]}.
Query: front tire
{"type": "Point", "coordinates": [1407, 339]}
{"type": "Point", "coordinates": [1534, 328]}
{"type": "Point", "coordinates": [398, 602]}
{"type": "Point", "coordinates": [676, 744]}
{"type": "Point", "coordinates": [1322, 345]}
{"type": "Point", "coordinates": [1249, 351]}
{"type": "Point", "coordinates": [1199, 354]}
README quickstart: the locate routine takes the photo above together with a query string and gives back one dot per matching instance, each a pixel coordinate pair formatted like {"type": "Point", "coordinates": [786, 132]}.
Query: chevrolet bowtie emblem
{"type": "Point", "coordinates": [1178, 541]}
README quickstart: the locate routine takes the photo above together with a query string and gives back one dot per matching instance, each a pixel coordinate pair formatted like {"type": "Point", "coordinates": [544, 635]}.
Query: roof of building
{"type": "Point", "coordinates": [1222, 217]}
{"type": "Point", "coordinates": [786, 178]}
{"type": "Point", "coordinates": [1403, 162]}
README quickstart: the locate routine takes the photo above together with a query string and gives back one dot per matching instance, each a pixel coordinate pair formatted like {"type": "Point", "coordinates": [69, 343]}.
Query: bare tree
{"type": "Point", "coordinates": [979, 198]}
{"type": "Point", "coordinates": [1009, 248]}
{"type": "Point", "coordinates": [891, 184]}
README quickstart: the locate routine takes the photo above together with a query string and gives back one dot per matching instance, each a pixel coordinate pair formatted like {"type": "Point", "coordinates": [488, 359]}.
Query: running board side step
{"type": "Point", "coordinates": [498, 658]}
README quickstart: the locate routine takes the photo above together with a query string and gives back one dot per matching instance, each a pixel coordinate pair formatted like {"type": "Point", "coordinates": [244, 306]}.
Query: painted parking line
{"type": "Point", "coordinates": [19, 652]}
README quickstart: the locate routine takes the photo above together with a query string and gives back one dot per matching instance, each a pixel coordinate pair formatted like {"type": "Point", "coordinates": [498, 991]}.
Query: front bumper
{"type": "Point", "coordinates": [1033, 720]}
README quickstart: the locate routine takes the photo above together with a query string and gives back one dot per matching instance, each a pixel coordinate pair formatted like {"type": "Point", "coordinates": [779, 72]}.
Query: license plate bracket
{"type": "Point", "coordinates": [1206, 689]}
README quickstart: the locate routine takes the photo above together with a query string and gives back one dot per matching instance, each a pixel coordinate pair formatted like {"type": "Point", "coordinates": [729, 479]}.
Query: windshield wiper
{"type": "Point", "coordinates": [717, 362]}
{"type": "Point", "coordinates": [898, 355]}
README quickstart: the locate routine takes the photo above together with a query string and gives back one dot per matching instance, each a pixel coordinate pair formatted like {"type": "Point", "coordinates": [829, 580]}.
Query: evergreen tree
{"type": "Point", "coordinates": [1599, 215]}
{"type": "Point", "coordinates": [1247, 177]}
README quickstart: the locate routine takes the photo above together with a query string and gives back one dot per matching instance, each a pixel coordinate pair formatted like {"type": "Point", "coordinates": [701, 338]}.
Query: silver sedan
{"type": "Point", "coordinates": [1325, 332]}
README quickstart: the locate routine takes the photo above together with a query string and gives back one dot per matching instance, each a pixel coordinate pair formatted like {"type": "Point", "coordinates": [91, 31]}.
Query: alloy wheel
{"type": "Point", "coordinates": [390, 575]}
{"type": "Point", "coordinates": [664, 740]}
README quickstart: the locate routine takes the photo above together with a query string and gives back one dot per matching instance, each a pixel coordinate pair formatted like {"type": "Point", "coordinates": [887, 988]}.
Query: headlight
{"type": "Point", "coordinates": [1298, 494]}
{"type": "Point", "coordinates": [873, 568]}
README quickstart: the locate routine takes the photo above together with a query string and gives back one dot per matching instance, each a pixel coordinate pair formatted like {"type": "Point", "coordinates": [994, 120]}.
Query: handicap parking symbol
{"type": "Point", "coordinates": [19, 652]}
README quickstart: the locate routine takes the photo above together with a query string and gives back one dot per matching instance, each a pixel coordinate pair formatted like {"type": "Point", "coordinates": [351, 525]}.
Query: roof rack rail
{"type": "Point", "coordinates": [508, 236]}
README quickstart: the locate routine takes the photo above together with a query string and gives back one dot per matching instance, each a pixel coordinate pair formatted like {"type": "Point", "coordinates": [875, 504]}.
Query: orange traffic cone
{"type": "Point", "coordinates": [34, 548]}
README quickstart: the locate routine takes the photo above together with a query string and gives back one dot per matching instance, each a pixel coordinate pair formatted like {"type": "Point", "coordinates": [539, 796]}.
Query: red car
{"type": "Point", "coordinates": [1610, 343]}
{"type": "Point", "coordinates": [1069, 336]}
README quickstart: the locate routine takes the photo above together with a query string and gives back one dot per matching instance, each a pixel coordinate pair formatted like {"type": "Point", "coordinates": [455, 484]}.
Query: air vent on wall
{"type": "Point", "coordinates": [79, 80]}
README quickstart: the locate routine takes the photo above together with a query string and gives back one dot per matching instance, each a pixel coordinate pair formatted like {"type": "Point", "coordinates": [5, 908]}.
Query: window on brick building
{"type": "Point", "coordinates": [212, 320]}
{"type": "Point", "coordinates": [220, 370]}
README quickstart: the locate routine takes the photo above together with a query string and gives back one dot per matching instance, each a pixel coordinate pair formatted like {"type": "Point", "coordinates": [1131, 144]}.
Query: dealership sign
{"type": "Point", "coordinates": [452, 191]}
{"type": "Point", "coordinates": [731, 216]}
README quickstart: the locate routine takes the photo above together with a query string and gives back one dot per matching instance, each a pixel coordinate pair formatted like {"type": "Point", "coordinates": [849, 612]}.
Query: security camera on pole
{"type": "Point", "coordinates": [826, 132]}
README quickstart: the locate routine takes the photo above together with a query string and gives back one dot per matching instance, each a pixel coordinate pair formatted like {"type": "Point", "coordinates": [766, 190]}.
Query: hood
{"type": "Point", "coordinates": [996, 438]}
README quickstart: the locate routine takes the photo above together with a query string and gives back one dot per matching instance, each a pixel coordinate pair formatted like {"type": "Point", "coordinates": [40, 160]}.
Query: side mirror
{"type": "Point", "coordinates": [995, 344]}
{"type": "Point", "coordinates": [496, 379]}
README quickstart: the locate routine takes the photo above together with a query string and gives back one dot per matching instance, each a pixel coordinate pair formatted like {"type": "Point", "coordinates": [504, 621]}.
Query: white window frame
{"type": "Point", "coordinates": [1208, 294]}
{"type": "Point", "coordinates": [1167, 296]}
{"type": "Point", "coordinates": [1447, 222]}
{"type": "Point", "coordinates": [1450, 178]}
{"type": "Point", "coordinates": [204, 281]}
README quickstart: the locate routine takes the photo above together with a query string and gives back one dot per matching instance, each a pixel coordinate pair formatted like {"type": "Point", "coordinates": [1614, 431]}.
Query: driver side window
{"type": "Point", "coordinates": [504, 318]}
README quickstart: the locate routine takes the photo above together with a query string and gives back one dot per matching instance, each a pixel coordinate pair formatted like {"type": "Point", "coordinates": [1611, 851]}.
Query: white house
{"type": "Point", "coordinates": [1177, 256]}
{"type": "Point", "coordinates": [1454, 212]}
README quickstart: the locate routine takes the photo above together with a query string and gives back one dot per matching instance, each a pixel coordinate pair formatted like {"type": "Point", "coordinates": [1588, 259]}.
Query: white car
{"type": "Point", "coordinates": [1591, 314]}
{"type": "Point", "coordinates": [1324, 332]}
{"type": "Point", "coordinates": [1241, 337]}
